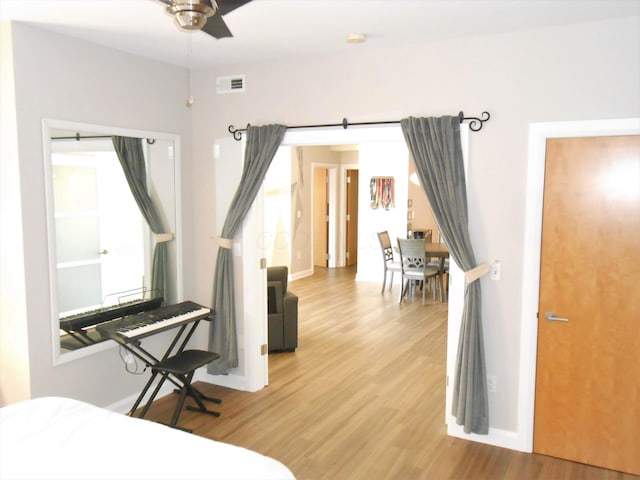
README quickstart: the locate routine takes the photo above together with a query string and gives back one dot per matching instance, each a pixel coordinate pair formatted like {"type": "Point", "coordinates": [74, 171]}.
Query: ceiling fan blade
{"type": "Point", "coordinates": [216, 27]}
{"type": "Point", "coordinates": [226, 6]}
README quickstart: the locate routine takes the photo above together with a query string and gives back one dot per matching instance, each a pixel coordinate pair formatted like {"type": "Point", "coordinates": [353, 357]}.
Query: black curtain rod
{"type": "Point", "coordinates": [475, 124]}
{"type": "Point", "coordinates": [79, 137]}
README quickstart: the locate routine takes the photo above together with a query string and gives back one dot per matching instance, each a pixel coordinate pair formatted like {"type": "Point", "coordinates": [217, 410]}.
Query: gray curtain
{"type": "Point", "coordinates": [435, 146]}
{"type": "Point", "coordinates": [262, 144]}
{"type": "Point", "coordinates": [131, 156]}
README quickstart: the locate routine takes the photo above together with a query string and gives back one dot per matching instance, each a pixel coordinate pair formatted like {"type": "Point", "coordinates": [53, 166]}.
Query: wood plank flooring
{"type": "Point", "coordinates": [363, 396]}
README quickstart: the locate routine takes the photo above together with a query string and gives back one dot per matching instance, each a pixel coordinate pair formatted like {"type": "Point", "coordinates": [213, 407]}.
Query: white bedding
{"type": "Point", "coordinates": [59, 438]}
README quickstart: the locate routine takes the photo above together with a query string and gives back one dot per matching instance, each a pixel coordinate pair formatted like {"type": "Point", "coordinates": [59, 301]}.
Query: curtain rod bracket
{"type": "Point", "coordinates": [475, 124]}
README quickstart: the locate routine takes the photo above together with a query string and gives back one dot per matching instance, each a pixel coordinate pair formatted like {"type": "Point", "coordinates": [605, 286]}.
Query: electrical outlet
{"type": "Point", "coordinates": [491, 383]}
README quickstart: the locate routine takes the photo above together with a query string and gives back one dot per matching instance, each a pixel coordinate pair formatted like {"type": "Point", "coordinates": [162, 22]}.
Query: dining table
{"type": "Point", "coordinates": [438, 250]}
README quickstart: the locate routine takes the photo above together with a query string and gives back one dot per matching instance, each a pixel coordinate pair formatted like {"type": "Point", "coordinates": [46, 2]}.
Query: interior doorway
{"type": "Point", "coordinates": [591, 199]}
{"type": "Point", "coordinates": [321, 225]}
{"type": "Point", "coordinates": [372, 138]}
{"type": "Point", "coordinates": [351, 218]}
{"type": "Point", "coordinates": [539, 133]}
{"type": "Point", "coordinates": [335, 215]}
{"type": "Point", "coordinates": [253, 375]}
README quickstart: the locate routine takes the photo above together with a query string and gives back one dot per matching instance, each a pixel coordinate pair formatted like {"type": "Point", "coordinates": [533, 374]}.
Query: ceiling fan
{"type": "Point", "coordinates": [205, 15]}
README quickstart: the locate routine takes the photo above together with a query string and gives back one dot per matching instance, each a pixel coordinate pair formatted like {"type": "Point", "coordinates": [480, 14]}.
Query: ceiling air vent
{"type": "Point", "coordinates": [230, 84]}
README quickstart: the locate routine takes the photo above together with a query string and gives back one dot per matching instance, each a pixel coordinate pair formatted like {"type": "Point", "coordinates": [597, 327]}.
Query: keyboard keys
{"type": "Point", "coordinates": [156, 324]}
{"type": "Point", "coordinates": [143, 324]}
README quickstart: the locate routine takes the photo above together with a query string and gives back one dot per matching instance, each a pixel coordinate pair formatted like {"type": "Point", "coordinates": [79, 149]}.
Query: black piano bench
{"type": "Point", "coordinates": [181, 367]}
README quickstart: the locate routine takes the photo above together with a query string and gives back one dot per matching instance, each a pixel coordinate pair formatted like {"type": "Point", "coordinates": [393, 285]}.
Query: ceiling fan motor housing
{"type": "Point", "coordinates": [192, 14]}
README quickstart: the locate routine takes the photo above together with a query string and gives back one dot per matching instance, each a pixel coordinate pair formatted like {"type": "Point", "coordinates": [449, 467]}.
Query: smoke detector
{"type": "Point", "coordinates": [356, 38]}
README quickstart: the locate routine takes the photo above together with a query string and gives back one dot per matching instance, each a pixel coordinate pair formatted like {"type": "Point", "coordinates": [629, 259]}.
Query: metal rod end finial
{"type": "Point", "coordinates": [237, 134]}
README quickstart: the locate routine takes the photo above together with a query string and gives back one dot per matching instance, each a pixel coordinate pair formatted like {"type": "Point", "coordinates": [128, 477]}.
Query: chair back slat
{"type": "Point", "coordinates": [385, 245]}
{"type": "Point", "coordinates": [414, 264]}
{"type": "Point", "coordinates": [389, 263]}
{"type": "Point", "coordinates": [412, 254]}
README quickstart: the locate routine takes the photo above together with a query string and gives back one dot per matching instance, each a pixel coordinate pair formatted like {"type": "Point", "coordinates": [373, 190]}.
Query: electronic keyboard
{"type": "Point", "coordinates": [131, 328]}
{"type": "Point", "coordinates": [80, 321]}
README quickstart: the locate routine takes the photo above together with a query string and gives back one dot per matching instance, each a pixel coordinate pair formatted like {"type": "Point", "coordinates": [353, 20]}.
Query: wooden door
{"type": "Point", "coordinates": [321, 217]}
{"type": "Point", "coordinates": [352, 218]}
{"type": "Point", "coordinates": [588, 368]}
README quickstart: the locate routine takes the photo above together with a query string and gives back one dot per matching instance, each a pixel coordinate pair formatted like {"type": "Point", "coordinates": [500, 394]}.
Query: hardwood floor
{"type": "Point", "coordinates": [363, 396]}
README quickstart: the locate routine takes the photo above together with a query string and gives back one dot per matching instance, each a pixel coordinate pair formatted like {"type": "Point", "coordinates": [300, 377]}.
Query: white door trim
{"type": "Point", "coordinates": [252, 373]}
{"type": "Point", "coordinates": [538, 135]}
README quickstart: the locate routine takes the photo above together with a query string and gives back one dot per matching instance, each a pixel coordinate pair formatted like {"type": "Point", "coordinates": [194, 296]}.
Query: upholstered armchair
{"type": "Point", "coordinates": [283, 311]}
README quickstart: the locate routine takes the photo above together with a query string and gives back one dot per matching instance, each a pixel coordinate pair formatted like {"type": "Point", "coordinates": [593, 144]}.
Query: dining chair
{"type": "Point", "coordinates": [414, 268]}
{"type": "Point", "coordinates": [390, 265]}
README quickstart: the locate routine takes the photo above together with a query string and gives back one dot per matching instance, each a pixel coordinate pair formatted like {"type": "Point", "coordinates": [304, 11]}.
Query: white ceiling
{"type": "Point", "coordinates": [267, 30]}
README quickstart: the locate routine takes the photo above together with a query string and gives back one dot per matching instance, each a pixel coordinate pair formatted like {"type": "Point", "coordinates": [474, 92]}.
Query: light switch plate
{"type": "Point", "coordinates": [496, 270]}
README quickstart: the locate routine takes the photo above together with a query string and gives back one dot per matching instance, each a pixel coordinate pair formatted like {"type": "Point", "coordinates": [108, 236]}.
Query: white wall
{"type": "Point", "coordinates": [566, 73]}
{"type": "Point", "coordinates": [277, 209]}
{"type": "Point", "coordinates": [62, 78]}
{"type": "Point", "coordinates": [14, 340]}
{"type": "Point", "coordinates": [380, 160]}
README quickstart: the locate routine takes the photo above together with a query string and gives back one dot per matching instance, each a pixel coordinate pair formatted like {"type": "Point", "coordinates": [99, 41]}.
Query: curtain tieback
{"type": "Point", "coordinates": [163, 237]}
{"type": "Point", "coordinates": [477, 272]}
{"type": "Point", "coordinates": [225, 242]}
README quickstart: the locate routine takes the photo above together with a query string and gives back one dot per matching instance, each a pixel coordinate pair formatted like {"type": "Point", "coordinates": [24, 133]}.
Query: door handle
{"type": "Point", "coordinates": [551, 316]}
{"type": "Point", "coordinates": [103, 252]}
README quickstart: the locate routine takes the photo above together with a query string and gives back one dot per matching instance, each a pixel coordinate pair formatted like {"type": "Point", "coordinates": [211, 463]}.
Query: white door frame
{"type": "Point", "coordinates": [358, 135]}
{"type": "Point", "coordinates": [538, 135]}
{"type": "Point", "coordinates": [250, 281]}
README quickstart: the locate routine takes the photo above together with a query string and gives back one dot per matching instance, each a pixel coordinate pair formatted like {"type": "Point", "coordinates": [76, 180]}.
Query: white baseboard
{"type": "Point", "coordinates": [235, 382]}
{"type": "Point", "coordinates": [231, 381]}
{"type": "Point", "coordinates": [124, 405]}
{"type": "Point", "coordinates": [301, 274]}
{"type": "Point", "coordinates": [496, 437]}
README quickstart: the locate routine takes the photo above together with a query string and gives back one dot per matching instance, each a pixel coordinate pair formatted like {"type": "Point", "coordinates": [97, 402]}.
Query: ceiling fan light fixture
{"type": "Point", "coordinates": [192, 14]}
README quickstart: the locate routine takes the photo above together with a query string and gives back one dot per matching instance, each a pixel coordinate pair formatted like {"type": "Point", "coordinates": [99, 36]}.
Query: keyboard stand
{"type": "Point", "coordinates": [178, 367]}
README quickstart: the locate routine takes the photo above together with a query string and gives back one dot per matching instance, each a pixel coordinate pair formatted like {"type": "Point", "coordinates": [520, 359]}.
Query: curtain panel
{"type": "Point", "coordinates": [435, 146]}
{"type": "Point", "coordinates": [262, 144]}
{"type": "Point", "coordinates": [131, 156]}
